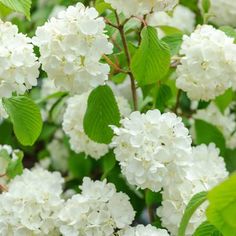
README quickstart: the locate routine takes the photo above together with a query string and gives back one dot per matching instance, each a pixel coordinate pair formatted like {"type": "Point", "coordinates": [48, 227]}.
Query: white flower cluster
{"type": "Point", "coordinates": [18, 63]}
{"type": "Point", "coordinates": [223, 12]}
{"type": "Point", "coordinates": [98, 210]}
{"type": "Point", "coordinates": [208, 65]}
{"type": "Point", "coordinates": [71, 47]}
{"type": "Point", "coordinates": [224, 122]}
{"type": "Point", "coordinates": [205, 170]}
{"type": "Point", "coordinates": [141, 230]}
{"type": "Point", "coordinates": [146, 144]}
{"type": "Point", "coordinates": [141, 7]}
{"type": "Point", "coordinates": [73, 125]}
{"type": "Point", "coordinates": [31, 204]}
{"type": "Point", "coordinates": [182, 18]}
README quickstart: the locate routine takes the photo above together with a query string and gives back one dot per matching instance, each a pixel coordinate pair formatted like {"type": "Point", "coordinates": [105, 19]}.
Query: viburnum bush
{"type": "Point", "coordinates": [117, 118]}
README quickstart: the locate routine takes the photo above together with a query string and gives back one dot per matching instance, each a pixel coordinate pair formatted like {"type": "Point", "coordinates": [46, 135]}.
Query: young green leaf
{"type": "Point", "coordinates": [22, 6]}
{"type": "Point", "coordinates": [206, 5]}
{"type": "Point", "coordinates": [207, 229]}
{"type": "Point", "coordinates": [26, 119]}
{"type": "Point", "coordinates": [102, 111]}
{"type": "Point", "coordinates": [151, 62]}
{"type": "Point", "coordinates": [192, 206]}
{"type": "Point", "coordinates": [222, 207]}
{"type": "Point", "coordinates": [174, 42]}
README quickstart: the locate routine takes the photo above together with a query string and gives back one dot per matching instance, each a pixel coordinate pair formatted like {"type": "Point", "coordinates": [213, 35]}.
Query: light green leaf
{"type": "Point", "coordinates": [222, 207]}
{"type": "Point", "coordinates": [207, 229]}
{"type": "Point", "coordinates": [102, 111]}
{"type": "Point", "coordinates": [224, 100]}
{"type": "Point", "coordinates": [26, 118]}
{"type": "Point", "coordinates": [229, 31]}
{"type": "Point", "coordinates": [192, 206]}
{"type": "Point", "coordinates": [174, 42]}
{"type": "Point", "coordinates": [164, 94]}
{"type": "Point", "coordinates": [22, 6]}
{"type": "Point", "coordinates": [206, 5]}
{"type": "Point", "coordinates": [151, 62]}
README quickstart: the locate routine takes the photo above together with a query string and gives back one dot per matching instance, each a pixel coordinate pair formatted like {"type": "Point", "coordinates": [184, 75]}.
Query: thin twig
{"type": "Point", "coordinates": [111, 63]}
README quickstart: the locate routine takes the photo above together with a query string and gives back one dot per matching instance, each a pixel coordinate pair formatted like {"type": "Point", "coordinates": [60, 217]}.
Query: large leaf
{"type": "Point", "coordinates": [102, 111]}
{"type": "Point", "coordinates": [222, 208]}
{"type": "Point", "coordinates": [151, 62]}
{"type": "Point", "coordinates": [26, 118]}
{"type": "Point", "coordinates": [208, 133]}
{"type": "Point", "coordinates": [174, 42]}
{"type": "Point", "coordinates": [22, 6]}
{"type": "Point", "coordinates": [207, 229]}
{"type": "Point", "coordinates": [192, 206]}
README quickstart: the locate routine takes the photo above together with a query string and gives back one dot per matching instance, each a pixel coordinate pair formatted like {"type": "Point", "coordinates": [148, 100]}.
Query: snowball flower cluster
{"type": "Point", "coordinates": [71, 46]}
{"type": "Point", "coordinates": [205, 170]}
{"type": "Point", "coordinates": [98, 210]}
{"type": "Point", "coordinates": [208, 65]}
{"type": "Point", "coordinates": [141, 230]}
{"type": "Point", "coordinates": [182, 18]}
{"type": "Point", "coordinates": [146, 144]}
{"type": "Point", "coordinates": [223, 12]}
{"type": "Point", "coordinates": [225, 122]}
{"type": "Point", "coordinates": [32, 204]}
{"type": "Point", "coordinates": [18, 63]}
{"type": "Point", "coordinates": [73, 125]}
{"type": "Point", "coordinates": [141, 7]}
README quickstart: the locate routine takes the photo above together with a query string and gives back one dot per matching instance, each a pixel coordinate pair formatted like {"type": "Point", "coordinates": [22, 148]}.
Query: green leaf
{"type": "Point", "coordinates": [230, 160]}
{"type": "Point", "coordinates": [15, 166]}
{"type": "Point", "coordinates": [22, 6]}
{"type": "Point", "coordinates": [229, 31]}
{"type": "Point", "coordinates": [164, 94]}
{"type": "Point", "coordinates": [151, 62]}
{"type": "Point", "coordinates": [102, 6]}
{"type": "Point", "coordinates": [174, 42]}
{"type": "Point", "coordinates": [224, 100]}
{"type": "Point", "coordinates": [222, 207]}
{"type": "Point", "coordinates": [207, 229]}
{"type": "Point", "coordinates": [206, 5]}
{"type": "Point", "coordinates": [192, 206]}
{"type": "Point", "coordinates": [208, 133]}
{"type": "Point", "coordinates": [102, 111]}
{"type": "Point", "coordinates": [26, 119]}
{"type": "Point", "coordinates": [108, 163]}
{"type": "Point", "coordinates": [152, 198]}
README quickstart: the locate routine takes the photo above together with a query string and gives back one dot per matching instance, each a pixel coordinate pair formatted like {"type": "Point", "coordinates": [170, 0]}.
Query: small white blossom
{"type": "Point", "coordinates": [208, 65]}
{"type": "Point", "coordinates": [205, 170]}
{"type": "Point", "coordinates": [31, 204]}
{"type": "Point", "coordinates": [182, 18]}
{"type": "Point", "coordinates": [146, 144]}
{"type": "Point", "coordinates": [18, 63]}
{"type": "Point", "coordinates": [99, 210]}
{"type": "Point", "coordinates": [141, 230]}
{"type": "Point", "coordinates": [141, 7]}
{"type": "Point", "coordinates": [223, 12]}
{"type": "Point", "coordinates": [225, 122]}
{"type": "Point", "coordinates": [73, 126]}
{"type": "Point", "coordinates": [71, 47]}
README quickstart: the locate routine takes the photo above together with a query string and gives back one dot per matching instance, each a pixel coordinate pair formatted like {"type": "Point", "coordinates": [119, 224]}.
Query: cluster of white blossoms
{"type": "Point", "coordinates": [73, 125]}
{"type": "Point", "coordinates": [71, 46]}
{"type": "Point", "coordinates": [141, 7]}
{"type": "Point", "coordinates": [31, 204]}
{"type": "Point", "coordinates": [208, 66]}
{"type": "Point", "coordinates": [98, 210]}
{"type": "Point", "coordinates": [205, 170]}
{"type": "Point", "coordinates": [146, 144]}
{"type": "Point", "coordinates": [182, 18]}
{"type": "Point", "coordinates": [18, 63]}
{"type": "Point", "coordinates": [141, 230]}
{"type": "Point", "coordinates": [225, 122]}
{"type": "Point", "coordinates": [223, 12]}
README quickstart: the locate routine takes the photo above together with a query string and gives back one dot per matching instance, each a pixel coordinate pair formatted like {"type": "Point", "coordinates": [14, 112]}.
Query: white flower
{"type": "Point", "coordinates": [205, 170]}
{"type": "Point", "coordinates": [182, 18]}
{"type": "Point", "coordinates": [32, 204]}
{"type": "Point", "coordinates": [146, 144]}
{"type": "Point", "coordinates": [18, 63]}
{"type": "Point", "coordinates": [224, 122]}
{"type": "Point", "coordinates": [71, 47]}
{"type": "Point", "coordinates": [73, 126]}
{"type": "Point", "coordinates": [223, 12]}
{"type": "Point", "coordinates": [3, 113]}
{"type": "Point", "coordinates": [208, 65]}
{"type": "Point", "coordinates": [141, 7]}
{"type": "Point", "coordinates": [141, 230]}
{"type": "Point", "coordinates": [99, 210]}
